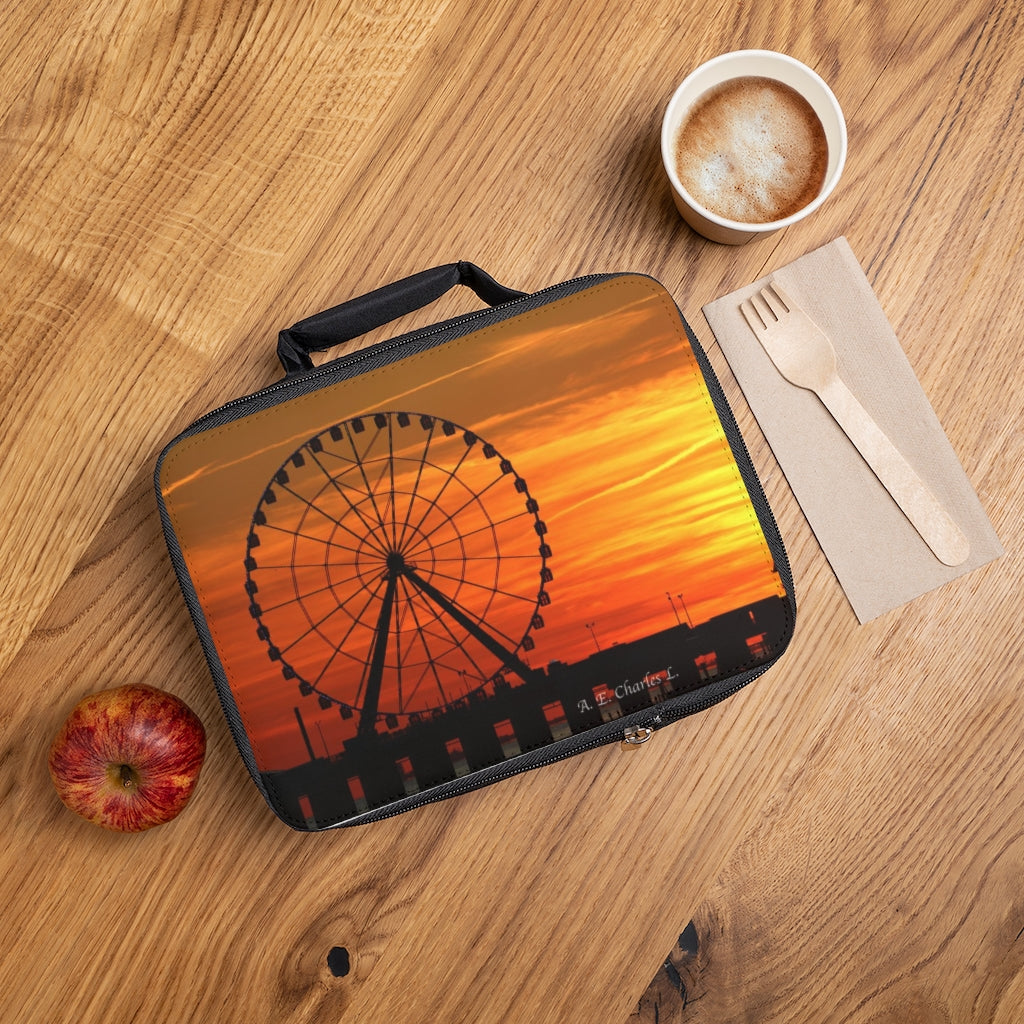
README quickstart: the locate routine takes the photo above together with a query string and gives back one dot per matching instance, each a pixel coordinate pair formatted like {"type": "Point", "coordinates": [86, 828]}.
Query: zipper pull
{"type": "Point", "coordinates": [635, 735]}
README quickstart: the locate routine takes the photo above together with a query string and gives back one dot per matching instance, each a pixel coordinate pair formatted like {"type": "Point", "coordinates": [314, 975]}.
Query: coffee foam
{"type": "Point", "coordinates": [752, 150]}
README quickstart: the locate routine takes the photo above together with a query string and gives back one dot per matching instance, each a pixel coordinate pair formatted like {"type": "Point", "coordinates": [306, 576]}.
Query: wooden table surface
{"type": "Point", "coordinates": [840, 842]}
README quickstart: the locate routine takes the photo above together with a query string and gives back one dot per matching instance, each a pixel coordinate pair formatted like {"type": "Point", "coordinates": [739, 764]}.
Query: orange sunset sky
{"type": "Point", "coordinates": [610, 424]}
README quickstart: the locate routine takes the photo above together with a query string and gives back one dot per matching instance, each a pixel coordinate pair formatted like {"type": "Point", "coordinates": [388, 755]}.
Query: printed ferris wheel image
{"type": "Point", "coordinates": [396, 565]}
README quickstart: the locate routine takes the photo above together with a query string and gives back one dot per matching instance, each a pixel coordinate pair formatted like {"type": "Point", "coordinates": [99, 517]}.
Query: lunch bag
{"type": "Point", "coordinates": [473, 549]}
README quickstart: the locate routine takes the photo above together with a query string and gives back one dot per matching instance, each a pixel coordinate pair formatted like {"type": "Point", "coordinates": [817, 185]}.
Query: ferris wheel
{"type": "Point", "coordinates": [397, 565]}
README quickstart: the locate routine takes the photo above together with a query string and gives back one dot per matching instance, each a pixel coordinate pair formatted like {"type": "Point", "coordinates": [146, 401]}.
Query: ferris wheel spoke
{"type": "Point", "coordinates": [413, 627]}
{"type": "Point", "coordinates": [448, 520]}
{"type": "Point", "coordinates": [381, 489]}
{"type": "Point", "coordinates": [370, 536]}
{"type": "Point", "coordinates": [460, 535]}
{"type": "Point", "coordinates": [384, 487]}
{"type": "Point", "coordinates": [469, 620]}
{"type": "Point", "coordinates": [325, 668]}
{"type": "Point", "coordinates": [429, 676]}
{"type": "Point", "coordinates": [314, 627]}
{"type": "Point", "coordinates": [414, 492]}
{"type": "Point", "coordinates": [338, 649]}
{"type": "Point", "coordinates": [526, 599]}
{"type": "Point", "coordinates": [302, 595]}
{"type": "Point", "coordinates": [373, 596]}
{"type": "Point", "coordinates": [487, 527]}
{"type": "Point", "coordinates": [311, 504]}
{"type": "Point", "coordinates": [340, 585]}
{"type": "Point", "coordinates": [382, 499]}
{"type": "Point", "coordinates": [487, 558]}
{"type": "Point", "coordinates": [303, 565]}
{"type": "Point", "coordinates": [361, 460]}
{"type": "Point", "coordinates": [297, 599]}
{"type": "Point", "coordinates": [451, 645]}
{"type": "Point", "coordinates": [459, 645]}
{"type": "Point", "coordinates": [425, 545]}
{"type": "Point", "coordinates": [298, 534]}
{"type": "Point", "coordinates": [433, 503]}
{"type": "Point", "coordinates": [391, 490]}
{"type": "Point", "coordinates": [333, 545]}
{"type": "Point", "coordinates": [451, 516]}
{"type": "Point", "coordinates": [421, 634]}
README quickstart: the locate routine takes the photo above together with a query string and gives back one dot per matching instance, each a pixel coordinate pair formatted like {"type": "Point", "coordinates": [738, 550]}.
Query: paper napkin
{"type": "Point", "coordinates": [878, 557]}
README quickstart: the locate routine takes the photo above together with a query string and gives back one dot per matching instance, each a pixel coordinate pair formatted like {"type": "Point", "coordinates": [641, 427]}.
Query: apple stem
{"type": "Point", "coordinates": [127, 776]}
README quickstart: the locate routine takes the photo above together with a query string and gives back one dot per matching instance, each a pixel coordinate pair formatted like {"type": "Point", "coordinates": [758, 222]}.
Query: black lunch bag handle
{"type": "Point", "coordinates": [374, 309]}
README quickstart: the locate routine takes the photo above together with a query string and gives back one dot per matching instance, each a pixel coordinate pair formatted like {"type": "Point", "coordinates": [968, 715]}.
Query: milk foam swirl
{"type": "Point", "coordinates": [752, 150]}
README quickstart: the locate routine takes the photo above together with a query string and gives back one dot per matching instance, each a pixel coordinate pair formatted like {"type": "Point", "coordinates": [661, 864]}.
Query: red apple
{"type": "Point", "coordinates": [128, 758]}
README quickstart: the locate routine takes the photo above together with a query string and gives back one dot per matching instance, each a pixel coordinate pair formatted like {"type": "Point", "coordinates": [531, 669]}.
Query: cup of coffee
{"type": "Point", "coordinates": [752, 141]}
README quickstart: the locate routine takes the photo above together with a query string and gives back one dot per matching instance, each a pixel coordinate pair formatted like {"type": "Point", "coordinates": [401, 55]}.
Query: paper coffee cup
{"type": "Point", "coordinates": [750, 64]}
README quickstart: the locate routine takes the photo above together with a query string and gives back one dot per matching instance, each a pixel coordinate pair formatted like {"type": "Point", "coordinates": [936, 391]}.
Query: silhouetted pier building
{"type": "Point", "coordinates": [483, 729]}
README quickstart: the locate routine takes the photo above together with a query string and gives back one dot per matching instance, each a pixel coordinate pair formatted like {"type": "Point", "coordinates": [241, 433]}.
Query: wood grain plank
{"type": "Point", "coordinates": [892, 880]}
{"type": "Point", "coordinates": [186, 179]}
{"type": "Point", "coordinates": [149, 204]}
{"type": "Point", "coordinates": [904, 895]}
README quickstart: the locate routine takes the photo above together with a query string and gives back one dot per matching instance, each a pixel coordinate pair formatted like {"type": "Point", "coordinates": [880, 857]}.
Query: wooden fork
{"type": "Point", "coordinates": [803, 354]}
